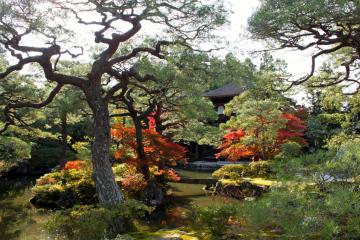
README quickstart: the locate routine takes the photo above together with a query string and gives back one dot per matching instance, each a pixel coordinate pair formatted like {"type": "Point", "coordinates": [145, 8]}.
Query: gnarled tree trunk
{"type": "Point", "coordinates": [109, 192]}
{"type": "Point", "coordinates": [143, 164]}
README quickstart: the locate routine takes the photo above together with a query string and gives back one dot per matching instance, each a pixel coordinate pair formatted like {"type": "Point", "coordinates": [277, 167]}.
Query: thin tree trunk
{"type": "Point", "coordinates": [157, 117]}
{"type": "Point", "coordinates": [64, 135]}
{"type": "Point", "coordinates": [108, 190]}
{"type": "Point", "coordinates": [159, 129]}
{"type": "Point", "coordinates": [197, 153]}
{"type": "Point", "coordinates": [263, 150]}
{"type": "Point", "coordinates": [143, 164]}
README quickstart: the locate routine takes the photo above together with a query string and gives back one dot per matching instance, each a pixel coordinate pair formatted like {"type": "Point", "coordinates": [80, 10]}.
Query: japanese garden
{"type": "Point", "coordinates": [179, 119]}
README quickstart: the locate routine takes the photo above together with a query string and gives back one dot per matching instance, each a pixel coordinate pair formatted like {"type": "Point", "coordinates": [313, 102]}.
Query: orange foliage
{"type": "Point", "coordinates": [168, 174]}
{"type": "Point", "coordinates": [172, 175]}
{"type": "Point", "coordinates": [157, 147]}
{"type": "Point", "coordinates": [133, 183]}
{"type": "Point", "coordinates": [233, 149]}
{"type": "Point", "coordinates": [294, 130]}
{"type": "Point", "coordinates": [75, 164]}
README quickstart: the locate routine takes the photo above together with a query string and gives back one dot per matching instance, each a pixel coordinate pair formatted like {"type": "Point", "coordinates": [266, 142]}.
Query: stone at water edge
{"type": "Point", "coordinates": [153, 195]}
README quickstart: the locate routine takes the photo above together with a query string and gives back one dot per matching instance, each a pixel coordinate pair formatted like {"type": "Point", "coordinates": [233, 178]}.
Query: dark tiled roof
{"type": "Point", "coordinates": [228, 90]}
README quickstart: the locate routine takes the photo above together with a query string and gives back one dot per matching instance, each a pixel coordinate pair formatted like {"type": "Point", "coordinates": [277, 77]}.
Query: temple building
{"type": "Point", "coordinates": [222, 96]}
{"type": "Point", "coordinates": [219, 97]}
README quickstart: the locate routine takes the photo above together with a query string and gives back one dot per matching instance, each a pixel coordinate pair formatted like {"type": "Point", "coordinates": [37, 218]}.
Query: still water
{"type": "Point", "coordinates": [19, 220]}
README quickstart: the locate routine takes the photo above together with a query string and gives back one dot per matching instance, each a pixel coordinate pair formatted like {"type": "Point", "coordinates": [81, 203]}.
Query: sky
{"type": "Point", "coordinates": [241, 44]}
{"type": "Point", "coordinates": [238, 40]}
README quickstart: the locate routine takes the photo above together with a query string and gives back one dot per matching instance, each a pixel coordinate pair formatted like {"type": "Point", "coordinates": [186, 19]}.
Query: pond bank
{"type": "Point", "coordinates": [19, 220]}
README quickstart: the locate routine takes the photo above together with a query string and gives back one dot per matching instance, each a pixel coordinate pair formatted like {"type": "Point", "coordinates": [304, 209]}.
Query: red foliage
{"type": "Point", "coordinates": [233, 149]}
{"type": "Point", "coordinates": [294, 130]}
{"type": "Point", "coordinates": [76, 164]}
{"type": "Point", "coordinates": [152, 121]}
{"type": "Point", "coordinates": [172, 175]}
{"type": "Point", "coordinates": [133, 183]}
{"type": "Point", "coordinates": [158, 149]}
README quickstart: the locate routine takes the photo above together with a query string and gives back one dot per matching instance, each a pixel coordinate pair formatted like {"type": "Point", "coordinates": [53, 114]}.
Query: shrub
{"type": "Point", "coordinates": [13, 150]}
{"type": "Point", "coordinates": [237, 171]}
{"type": "Point", "coordinates": [83, 150]}
{"type": "Point", "coordinates": [300, 209]}
{"type": "Point", "coordinates": [74, 185]}
{"type": "Point", "coordinates": [346, 164]}
{"type": "Point", "coordinates": [46, 153]}
{"type": "Point", "coordinates": [216, 220]}
{"type": "Point", "coordinates": [92, 222]}
{"type": "Point", "coordinates": [64, 188]}
{"type": "Point", "coordinates": [74, 165]}
{"type": "Point", "coordinates": [291, 149]}
{"type": "Point", "coordinates": [302, 213]}
{"type": "Point", "coordinates": [133, 183]}
{"type": "Point", "coordinates": [259, 169]}
{"type": "Point", "coordinates": [128, 177]}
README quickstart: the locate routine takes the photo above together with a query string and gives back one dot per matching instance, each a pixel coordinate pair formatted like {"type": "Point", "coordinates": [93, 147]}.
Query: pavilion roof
{"type": "Point", "coordinates": [229, 90]}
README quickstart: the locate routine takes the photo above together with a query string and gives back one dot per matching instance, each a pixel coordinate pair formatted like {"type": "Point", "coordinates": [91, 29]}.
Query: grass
{"type": "Point", "coordinates": [255, 181]}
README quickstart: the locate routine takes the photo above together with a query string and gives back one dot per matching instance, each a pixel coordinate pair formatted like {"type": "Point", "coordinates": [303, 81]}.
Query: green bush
{"type": "Point", "coordinates": [64, 188]}
{"type": "Point", "coordinates": [92, 222]}
{"type": "Point", "coordinates": [301, 167]}
{"type": "Point", "coordinates": [238, 171]}
{"type": "Point", "coordinates": [259, 169]}
{"type": "Point", "coordinates": [13, 150]}
{"type": "Point", "coordinates": [78, 187]}
{"type": "Point", "coordinates": [216, 220]}
{"type": "Point", "coordinates": [318, 198]}
{"type": "Point", "coordinates": [291, 149]}
{"type": "Point", "coordinates": [46, 153]}
{"type": "Point", "coordinates": [303, 213]}
{"type": "Point", "coordinates": [346, 164]}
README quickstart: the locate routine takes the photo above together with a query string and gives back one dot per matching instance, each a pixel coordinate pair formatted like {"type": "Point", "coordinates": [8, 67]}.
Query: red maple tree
{"type": "Point", "coordinates": [234, 148]}
{"type": "Point", "coordinates": [158, 149]}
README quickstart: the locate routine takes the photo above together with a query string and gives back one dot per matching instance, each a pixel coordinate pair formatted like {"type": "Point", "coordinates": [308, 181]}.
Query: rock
{"type": "Point", "coordinates": [153, 195]}
{"type": "Point", "coordinates": [40, 202]}
{"type": "Point", "coordinates": [66, 200]}
{"type": "Point", "coordinates": [54, 200]}
{"type": "Point", "coordinates": [244, 190]}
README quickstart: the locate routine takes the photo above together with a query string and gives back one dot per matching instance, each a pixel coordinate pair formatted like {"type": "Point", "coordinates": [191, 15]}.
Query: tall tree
{"type": "Point", "coordinates": [171, 96]}
{"type": "Point", "coordinates": [66, 105]}
{"type": "Point", "coordinates": [322, 26]}
{"type": "Point", "coordinates": [113, 23]}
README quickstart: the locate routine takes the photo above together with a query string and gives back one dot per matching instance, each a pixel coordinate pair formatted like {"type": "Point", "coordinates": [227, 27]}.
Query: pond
{"type": "Point", "coordinates": [21, 221]}
{"type": "Point", "coordinates": [18, 218]}
{"type": "Point", "coordinates": [194, 193]}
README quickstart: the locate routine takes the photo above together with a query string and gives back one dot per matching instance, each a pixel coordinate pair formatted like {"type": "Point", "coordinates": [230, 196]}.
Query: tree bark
{"type": "Point", "coordinates": [197, 152]}
{"type": "Point", "coordinates": [157, 117]}
{"type": "Point", "coordinates": [143, 164]}
{"type": "Point", "coordinates": [108, 190]}
{"type": "Point", "coordinates": [64, 135]}
{"type": "Point", "coordinates": [263, 150]}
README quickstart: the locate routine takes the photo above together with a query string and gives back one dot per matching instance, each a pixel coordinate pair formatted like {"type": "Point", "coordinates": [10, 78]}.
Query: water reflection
{"type": "Point", "coordinates": [18, 219]}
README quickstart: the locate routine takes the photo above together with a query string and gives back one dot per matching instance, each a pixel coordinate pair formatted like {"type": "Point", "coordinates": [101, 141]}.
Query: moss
{"type": "Point", "coordinates": [255, 181]}
{"type": "Point", "coordinates": [166, 234]}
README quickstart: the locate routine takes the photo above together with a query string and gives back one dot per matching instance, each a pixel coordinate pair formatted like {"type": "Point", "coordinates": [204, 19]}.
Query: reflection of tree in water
{"type": "Point", "coordinates": [177, 209]}
{"type": "Point", "coordinates": [16, 212]}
